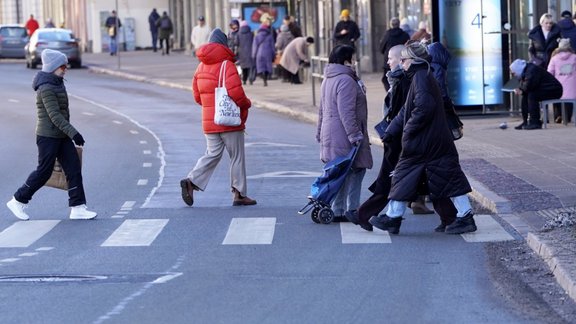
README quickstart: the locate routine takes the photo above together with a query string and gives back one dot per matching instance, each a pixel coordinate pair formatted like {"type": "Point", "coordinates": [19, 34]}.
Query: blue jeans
{"type": "Point", "coordinates": [348, 198]}
{"type": "Point", "coordinates": [113, 45]}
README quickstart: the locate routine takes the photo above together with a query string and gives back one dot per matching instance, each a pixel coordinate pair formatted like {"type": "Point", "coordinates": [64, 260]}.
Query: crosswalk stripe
{"type": "Point", "coordinates": [354, 234]}
{"type": "Point", "coordinates": [24, 234]}
{"type": "Point", "coordinates": [136, 232]}
{"type": "Point", "coordinates": [250, 231]}
{"type": "Point", "coordinates": [489, 230]}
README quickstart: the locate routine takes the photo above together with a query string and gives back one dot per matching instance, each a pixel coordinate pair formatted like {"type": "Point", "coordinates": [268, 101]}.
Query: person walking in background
{"type": "Point", "coordinates": [543, 40]}
{"type": "Point", "coordinates": [295, 30]}
{"type": "Point", "coordinates": [422, 35]}
{"type": "Point", "coordinates": [152, 20]}
{"type": "Point", "coordinates": [49, 23]}
{"type": "Point", "coordinates": [31, 25]}
{"type": "Point", "coordinates": [428, 150]}
{"type": "Point", "coordinates": [296, 54]}
{"type": "Point", "coordinates": [245, 40]}
{"type": "Point", "coordinates": [342, 123]}
{"type": "Point", "coordinates": [113, 24]}
{"type": "Point", "coordinates": [563, 67]}
{"type": "Point", "coordinates": [263, 51]}
{"type": "Point", "coordinates": [200, 34]}
{"type": "Point", "coordinates": [392, 37]}
{"type": "Point", "coordinates": [218, 137]}
{"type": "Point", "coordinates": [346, 31]}
{"type": "Point", "coordinates": [284, 38]}
{"type": "Point", "coordinates": [568, 28]}
{"type": "Point", "coordinates": [406, 26]}
{"type": "Point", "coordinates": [165, 30]}
{"type": "Point", "coordinates": [536, 84]}
{"type": "Point", "coordinates": [55, 138]}
{"type": "Point", "coordinates": [233, 36]}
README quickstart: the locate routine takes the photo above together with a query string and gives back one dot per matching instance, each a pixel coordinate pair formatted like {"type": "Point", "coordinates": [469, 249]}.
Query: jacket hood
{"type": "Point", "coordinates": [46, 78]}
{"type": "Point", "coordinates": [566, 24]}
{"type": "Point", "coordinates": [439, 54]}
{"type": "Point", "coordinates": [245, 30]}
{"type": "Point", "coordinates": [213, 53]}
{"type": "Point", "coordinates": [564, 55]}
{"type": "Point", "coordinates": [396, 32]}
{"type": "Point", "coordinates": [333, 70]}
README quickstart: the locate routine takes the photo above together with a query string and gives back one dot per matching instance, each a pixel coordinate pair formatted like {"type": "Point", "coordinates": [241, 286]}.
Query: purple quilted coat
{"type": "Point", "coordinates": [263, 50]}
{"type": "Point", "coordinates": [343, 116]}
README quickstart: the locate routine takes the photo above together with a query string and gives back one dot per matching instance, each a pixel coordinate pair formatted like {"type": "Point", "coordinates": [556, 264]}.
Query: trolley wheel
{"type": "Point", "coordinates": [314, 215]}
{"type": "Point", "coordinates": [326, 215]}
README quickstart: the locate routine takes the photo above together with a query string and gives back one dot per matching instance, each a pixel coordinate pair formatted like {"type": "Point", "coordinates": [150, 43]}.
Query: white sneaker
{"type": "Point", "coordinates": [81, 212]}
{"type": "Point", "coordinates": [17, 208]}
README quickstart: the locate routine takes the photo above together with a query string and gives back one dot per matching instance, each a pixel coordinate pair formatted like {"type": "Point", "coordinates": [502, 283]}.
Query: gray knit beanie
{"type": "Point", "coordinates": [416, 51]}
{"type": "Point", "coordinates": [52, 60]}
{"type": "Point", "coordinates": [517, 67]}
{"type": "Point", "coordinates": [218, 36]}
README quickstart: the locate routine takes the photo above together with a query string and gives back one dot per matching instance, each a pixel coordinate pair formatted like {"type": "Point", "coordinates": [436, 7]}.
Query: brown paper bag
{"type": "Point", "coordinates": [58, 178]}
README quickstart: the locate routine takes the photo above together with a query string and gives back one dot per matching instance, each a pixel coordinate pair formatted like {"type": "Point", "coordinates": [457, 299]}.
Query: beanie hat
{"type": "Point", "coordinates": [345, 13]}
{"type": "Point", "coordinates": [218, 36]}
{"type": "Point", "coordinates": [235, 22]}
{"type": "Point", "coordinates": [564, 43]}
{"type": "Point", "coordinates": [566, 14]}
{"type": "Point", "coordinates": [52, 60]}
{"type": "Point", "coordinates": [417, 52]}
{"type": "Point", "coordinates": [517, 67]}
{"type": "Point", "coordinates": [244, 23]}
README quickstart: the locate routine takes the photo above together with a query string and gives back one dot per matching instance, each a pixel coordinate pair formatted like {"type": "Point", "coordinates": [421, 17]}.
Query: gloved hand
{"type": "Point", "coordinates": [78, 139]}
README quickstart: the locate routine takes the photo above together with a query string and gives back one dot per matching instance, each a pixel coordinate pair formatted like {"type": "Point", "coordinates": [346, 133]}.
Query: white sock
{"type": "Point", "coordinates": [396, 208]}
{"type": "Point", "coordinates": [462, 204]}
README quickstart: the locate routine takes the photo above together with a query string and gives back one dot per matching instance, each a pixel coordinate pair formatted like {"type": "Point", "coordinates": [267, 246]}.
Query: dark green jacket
{"type": "Point", "coordinates": [52, 107]}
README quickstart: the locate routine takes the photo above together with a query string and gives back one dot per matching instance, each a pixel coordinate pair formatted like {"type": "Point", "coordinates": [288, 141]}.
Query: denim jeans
{"type": "Point", "coordinates": [113, 45]}
{"type": "Point", "coordinates": [348, 197]}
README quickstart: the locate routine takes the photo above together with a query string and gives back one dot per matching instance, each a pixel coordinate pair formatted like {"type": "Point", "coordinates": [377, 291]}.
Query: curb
{"type": "Point", "coordinates": [484, 196]}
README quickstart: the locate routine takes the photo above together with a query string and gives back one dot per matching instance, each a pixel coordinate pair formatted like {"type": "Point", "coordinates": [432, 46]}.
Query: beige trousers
{"type": "Point", "coordinates": [233, 142]}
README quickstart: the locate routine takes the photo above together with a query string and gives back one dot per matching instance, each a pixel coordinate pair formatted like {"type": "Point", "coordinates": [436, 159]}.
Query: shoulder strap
{"type": "Point", "coordinates": [222, 75]}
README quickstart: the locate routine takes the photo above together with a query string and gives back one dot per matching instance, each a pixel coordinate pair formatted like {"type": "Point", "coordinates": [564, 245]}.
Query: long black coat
{"type": "Point", "coordinates": [541, 49]}
{"type": "Point", "coordinates": [245, 39]}
{"type": "Point", "coordinates": [428, 150]}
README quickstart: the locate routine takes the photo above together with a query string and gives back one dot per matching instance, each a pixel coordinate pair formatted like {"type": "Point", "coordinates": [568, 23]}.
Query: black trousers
{"type": "Point", "coordinates": [48, 150]}
{"type": "Point", "coordinates": [154, 40]}
{"type": "Point", "coordinates": [531, 103]}
{"type": "Point", "coordinates": [165, 48]}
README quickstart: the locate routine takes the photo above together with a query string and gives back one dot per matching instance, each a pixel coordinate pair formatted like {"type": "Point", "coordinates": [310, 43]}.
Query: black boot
{"type": "Point", "coordinates": [265, 77]}
{"type": "Point", "coordinates": [352, 216]}
{"type": "Point", "coordinates": [385, 223]}
{"type": "Point", "coordinates": [521, 126]}
{"type": "Point", "coordinates": [462, 225]}
{"type": "Point", "coordinates": [533, 124]}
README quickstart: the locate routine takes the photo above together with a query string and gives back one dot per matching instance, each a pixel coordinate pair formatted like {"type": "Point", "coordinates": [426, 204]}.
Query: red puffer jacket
{"type": "Point", "coordinates": [205, 81]}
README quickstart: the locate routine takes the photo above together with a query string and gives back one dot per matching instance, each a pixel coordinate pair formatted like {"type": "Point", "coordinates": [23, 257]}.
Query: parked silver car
{"type": "Point", "coordinates": [53, 38]}
{"type": "Point", "coordinates": [13, 38]}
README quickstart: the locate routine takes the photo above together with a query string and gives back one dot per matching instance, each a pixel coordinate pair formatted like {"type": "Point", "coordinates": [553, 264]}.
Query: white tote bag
{"type": "Point", "coordinates": [226, 111]}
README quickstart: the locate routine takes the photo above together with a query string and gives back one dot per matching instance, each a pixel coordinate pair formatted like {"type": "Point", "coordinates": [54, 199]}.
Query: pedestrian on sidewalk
{"type": "Point", "coordinates": [392, 37]}
{"type": "Point", "coordinates": [55, 138]}
{"type": "Point", "coordinates": [218, 137]}
{"type": "Point", "coordinates": [342, 123]}
{"type": "Point", "coordinates": [563, 67]}
{"type": "Point", "coordinates": [296, 55]}
{"type": "Point", "coordinates": [233, 36]}
{"type": "Point", "coordinates": [152, 20]}
{"type": "Point", "coordinates": [284, 38]}
{"type": "Point", "coordinates": [263, 51]}
{"type": "Point", "coordinates": [536, 84]}
{"type": "Point", "coordinates": [245, 40]}
{"type": "Point", "coordinates": [346, 31]}
{"type": "Point", "coordinates": [568, 28]}
{"type": "Point", "coordinates": [200, 34]}
{"type": "Point", "coordinates": [165, 30]}
{"type": "Point", "coordinates": [543, 40]}
{"type": "Point", "coordinates": [428, 150]}
{"type": "Point", "coordinates": [31, 25]}
{"type": "Point", "coordinates": [113, 24]}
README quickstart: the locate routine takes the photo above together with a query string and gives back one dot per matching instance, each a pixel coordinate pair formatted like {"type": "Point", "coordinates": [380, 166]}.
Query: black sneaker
{"type": "Point", "coordinates": [352, 216]}
{"type": "Point", "coordinates": [462, 225]}
{"type": "Point", "coordinates": [521, 126]}
{"type": "Point", "coordinates": [340, 219]}
{"type": "Point", "coordinates": [533, 126]}
{"type": "Point", "coordinates": [385, 223]}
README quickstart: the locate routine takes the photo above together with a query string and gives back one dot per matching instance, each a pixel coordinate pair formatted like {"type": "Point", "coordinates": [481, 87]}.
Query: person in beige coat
{"type": "Point", "coordinates": [295, 53]}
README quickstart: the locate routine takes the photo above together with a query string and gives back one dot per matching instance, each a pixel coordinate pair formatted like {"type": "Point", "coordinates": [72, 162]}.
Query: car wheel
{"type": "Point", "coordinates": [76, 65]}
{"type": "Point", "coordinates": [33, 65]}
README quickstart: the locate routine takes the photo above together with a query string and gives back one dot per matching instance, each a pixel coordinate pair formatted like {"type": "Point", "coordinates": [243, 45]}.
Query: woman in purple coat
{"type": "Point", "coordinates": [342, 123]}
{"type": "Point", "coordinates": [263, 50]}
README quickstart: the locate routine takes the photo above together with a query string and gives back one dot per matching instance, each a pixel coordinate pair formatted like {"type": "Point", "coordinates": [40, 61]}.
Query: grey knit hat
{"type": "Point", "coordinates": [218, 36]}
{"type": "Point", "coordinates": [416, 51]}
{"type": "Point", "coordinates": [517, 67]}
{"type": "Point", "coordinates": [52, 60]}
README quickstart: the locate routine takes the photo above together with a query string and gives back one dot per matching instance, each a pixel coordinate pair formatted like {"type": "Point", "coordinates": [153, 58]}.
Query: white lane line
{"type": "Point", "coordinates": [9, 260]}
{"type": "Point", "coordinates": [146, 165]}
{"type": "Point", "coordinates": [124, 212]}
{"type": "Point", "coordinates": [250, 231]}
{"type": "Point", "coordinates": [354, 234]}
{"type": "Point", "coordinates": [146, 152]}
{"type": "Point", "coordinates": [488, 230]}
{"type": "Point", "coordinates": [117, 122]}
{"type": "Point", "coordinates": [128, 204]}
{"type": "Point", "coordinates": [134, 132]}
{"type": "Point", "coordinates": [27, 254]}
{"type": "Point", "coordinates": [23, 234]}
{"type": "Point", "coordinates": [117, 216]}
{"type": "Point", "coordinates": [143, 142]}
{"type": "Point", "coordinates": [142, 182]}
{"type": "Point", "coordinates": [46, 248]}
{"type": "Point", "coordinates": [87, 113]}
{"type": "Point", "coordinates": [13, 100]}
{"type": "Point", "coordinates": [136, 232]}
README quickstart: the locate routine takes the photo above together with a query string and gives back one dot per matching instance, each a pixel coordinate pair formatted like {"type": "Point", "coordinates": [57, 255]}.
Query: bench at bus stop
{"type": "Point", "coordinates": [562, 102]}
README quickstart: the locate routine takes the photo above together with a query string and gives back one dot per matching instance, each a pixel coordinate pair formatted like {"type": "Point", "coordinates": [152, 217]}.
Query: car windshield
{"type": "Point", "coordinates": [56, 36]}
{"type": "Point", "coordinates": [13, 32]}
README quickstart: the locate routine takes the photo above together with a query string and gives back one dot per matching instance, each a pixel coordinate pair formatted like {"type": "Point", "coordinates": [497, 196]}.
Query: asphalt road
{"type": "Point", "coordinates": [148, 258]}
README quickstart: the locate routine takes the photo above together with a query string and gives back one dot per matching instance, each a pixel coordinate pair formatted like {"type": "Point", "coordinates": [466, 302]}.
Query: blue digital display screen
{"type": "Point", "coordinates": [471, 31]}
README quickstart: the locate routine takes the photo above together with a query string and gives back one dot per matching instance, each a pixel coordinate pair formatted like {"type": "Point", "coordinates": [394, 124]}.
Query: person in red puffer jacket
{"type": "Point", "coordinates": [218, 137]}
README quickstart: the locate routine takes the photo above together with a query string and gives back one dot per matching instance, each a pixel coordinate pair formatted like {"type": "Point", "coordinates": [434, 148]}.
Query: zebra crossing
{"type": "Point", "coordinates": [241, 231]}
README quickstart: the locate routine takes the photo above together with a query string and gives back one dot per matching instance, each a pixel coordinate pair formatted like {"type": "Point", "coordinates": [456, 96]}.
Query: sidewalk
{"type": "Point", "coordinates": [528, 178]}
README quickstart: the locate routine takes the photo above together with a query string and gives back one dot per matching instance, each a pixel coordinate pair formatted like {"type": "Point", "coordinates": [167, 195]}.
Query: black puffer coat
{"type": "Point", "coordinates": [428, 150]}
{"type": "Point", "coordinates": [541, 49]}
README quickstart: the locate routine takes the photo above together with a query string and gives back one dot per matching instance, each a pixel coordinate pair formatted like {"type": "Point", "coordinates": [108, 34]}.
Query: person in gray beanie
{"type": "Point", "coordinates": [536, 84]}
{"type": "Point", "coordinates": [55, 138]}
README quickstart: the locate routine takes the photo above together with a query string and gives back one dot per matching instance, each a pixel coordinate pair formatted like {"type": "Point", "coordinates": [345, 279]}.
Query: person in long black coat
{"type": "Point", "coordinates": [428, 151]}
{"type": "Point", "coordinates": [543, 40]}
{"type": "Point", "coordinates": [245, 39]}
{"type": "Point", "coordinates": [392, 37]}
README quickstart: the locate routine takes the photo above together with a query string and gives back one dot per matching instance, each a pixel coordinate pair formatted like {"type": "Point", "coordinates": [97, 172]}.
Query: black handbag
{"type": "Point", "coordinates": [381, 127]}
{"type": "Point", "coordinates": [454, 123]}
